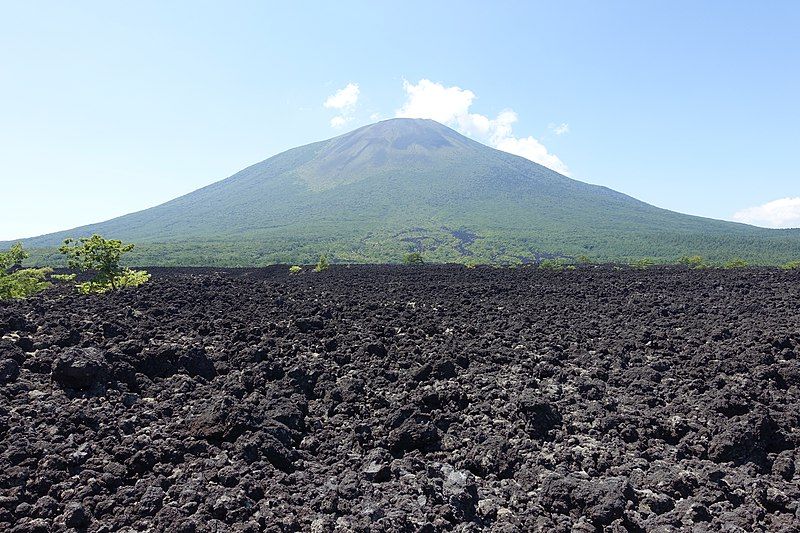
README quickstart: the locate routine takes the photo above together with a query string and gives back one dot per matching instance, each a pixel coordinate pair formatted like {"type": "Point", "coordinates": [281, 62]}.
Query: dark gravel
{"type": "Point", "coordinates": [405, 399]}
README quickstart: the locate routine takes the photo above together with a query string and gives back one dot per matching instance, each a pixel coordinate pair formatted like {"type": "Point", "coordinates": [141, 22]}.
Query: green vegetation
{"type": "Point", "coordinates": [791, 265]}
{"type": "Point", "coordinates": [551, 264]}
{"type": "Point", "coordinates": [363, 198]}
{"type": "Point", "coordinates": [101, 257]}
{"type": "Point", "coordinates": [294, 269]}
{"type": "Point", "coordinates": [322, 264]}
{"type": "Point", "coordinates": [736, 263]}
{"type": "Point", "coordinates": [643, 264]}
{"type": "Point", "coordinates": [20, 282]}
{"type": "Point", "coordinates": [693, 261]}
{"type": "Point", "coordinates": [413, 258]}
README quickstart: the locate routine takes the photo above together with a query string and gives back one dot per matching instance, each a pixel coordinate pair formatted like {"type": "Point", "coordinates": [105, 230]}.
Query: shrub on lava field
{"type": "Point", "coordinates": [413, 258]}
{"type": "Point", "coordinates": [791, 265]}
{"type": "Point", "coordinates": [101, 256]}
{"type": "Point", "coordinates": [643, 264]}
{"type": "Point", "coordinates": [322, 264]}
{"type": "Point", "coordinates": [583, 260]}
{"type": "Point", "coordinates": [19, 282]}
{"type": "Point", "coordinates": [736, 263]}
{"type": "Point", "coordinates": [694, 261]}
{"type": "Point", "coordinates": [66, 278]}
{"type": "Point", "coordinates": [294, 269]}
{"type": "Point", "coordinates": [551, 264]}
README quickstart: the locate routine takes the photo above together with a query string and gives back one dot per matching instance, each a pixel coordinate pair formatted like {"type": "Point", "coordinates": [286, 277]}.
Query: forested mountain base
{"type": "Point", "coordinates": [457, 246]}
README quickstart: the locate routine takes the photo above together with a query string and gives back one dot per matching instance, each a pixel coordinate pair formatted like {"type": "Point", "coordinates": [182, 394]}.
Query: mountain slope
{"type": "Point", "coordinates": [381, 190]}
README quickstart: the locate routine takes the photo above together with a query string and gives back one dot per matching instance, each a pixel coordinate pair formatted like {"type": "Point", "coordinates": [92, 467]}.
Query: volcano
{"type": "Point", "coordinates": [402, 185]}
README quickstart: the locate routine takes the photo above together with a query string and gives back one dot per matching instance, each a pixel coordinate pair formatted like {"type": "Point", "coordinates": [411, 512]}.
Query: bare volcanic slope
{"type": "Point", "coordinates": [392, 399]}
{"type": "Point", "coordinates": [379, 191]}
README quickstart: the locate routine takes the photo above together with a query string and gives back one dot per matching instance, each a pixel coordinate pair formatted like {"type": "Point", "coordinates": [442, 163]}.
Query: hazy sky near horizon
{"type": "Point", "coordinates": [111, 107]}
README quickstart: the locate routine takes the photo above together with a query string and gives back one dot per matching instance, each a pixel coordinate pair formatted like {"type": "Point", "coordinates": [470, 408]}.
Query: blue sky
{"type": "Point", "coordinates": [111, 107]}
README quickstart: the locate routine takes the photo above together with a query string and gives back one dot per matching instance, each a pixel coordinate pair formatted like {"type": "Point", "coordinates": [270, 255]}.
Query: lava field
{"type": "Point", "coordinates": [418, 399]}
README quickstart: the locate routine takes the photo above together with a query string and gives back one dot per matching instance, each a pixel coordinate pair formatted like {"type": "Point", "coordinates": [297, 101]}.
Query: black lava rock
{"type": "Point", "coordinates": [430, 399]}
{"type": "Point", "coordinates": [9, 370]}
{"type": "Point", "coordinates": [80, 368]}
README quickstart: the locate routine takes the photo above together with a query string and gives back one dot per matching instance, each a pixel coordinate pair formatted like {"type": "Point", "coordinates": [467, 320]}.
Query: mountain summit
{"type": "Point", "coordinates": [411, 184]}
{"type": "Point", "coordinates": [400, 143]}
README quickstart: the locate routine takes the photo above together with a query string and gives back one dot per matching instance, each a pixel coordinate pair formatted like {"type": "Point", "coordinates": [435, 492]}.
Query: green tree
{"type": "Point", "coordinates": [20, 282]}
{"type": "Point", "coordinates": [13, 257]}
{"type": "Point", "coordinates": [322, 264]}
{"type": "Point", "coordinates": [413, 258]}
{"type": "Point", "coordinates": [101, 257]}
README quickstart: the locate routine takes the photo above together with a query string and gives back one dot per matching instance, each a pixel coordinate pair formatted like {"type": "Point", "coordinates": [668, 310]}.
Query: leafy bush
{"type": "Point", "coordinates": [63, 277]}
{"type": "Point", "coordinates": [322, 264]}
{"type": "Point", "coordinates": [694, 261]}
{"type": "Point", "coordinates": [128, 278]}
{"type": "Point", "coordinates": [583, 260]}
{"type": "Point", "coordinates": [22, 282]}
{"type": "Point", "coordinates": [101, 256]}
{"type": "Point", "coordinates": [643, 263]}
{"type": "Point", "coordinates": [413, 258]}
{"type": "Point", "coordinates": [294, 269]}
{"type": "Point", "coordinates": [791, 265]}
{"type": "Point", "coordinates": [736, 263]}
{"type": "Point", "coordinates": [551, 264]}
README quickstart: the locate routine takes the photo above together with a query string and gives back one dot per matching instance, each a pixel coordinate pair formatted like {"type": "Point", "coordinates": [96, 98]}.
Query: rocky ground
{"type": "Point", "coordinates": [405, 399]}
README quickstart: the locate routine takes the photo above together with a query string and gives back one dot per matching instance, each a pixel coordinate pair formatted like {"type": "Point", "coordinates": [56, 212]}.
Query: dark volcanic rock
{"type": "Point", "coordinates": [377, 465]}
{"type": "Point", "coordinates": [541, 415]}
{"type": "Point", "coordinates": [417, 432]}
{"type": "Point", "coordinates": [80, 368]}
{"type": "Point", "coordinates": [395, 399]}
{"type": "Point", "coordinates": [9, 370]}
{"type": "Point", "coordinates": [75, 516]}
{"type": "Point", "coordinates": [309, 324]}
{"type": "Point", "coordinates": [222, 419]}
{"type": "Point", "coordinates": [376, 348]}
{"type": "Point", "coordinates": [747, 440]}
{"type": "Point", "coordinates": [605, 500]}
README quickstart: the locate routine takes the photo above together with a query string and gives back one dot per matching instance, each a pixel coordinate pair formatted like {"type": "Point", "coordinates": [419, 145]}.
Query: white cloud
{"type": "Point", "coordinates": [344, 101]}
{"type": "Point", "coordinates": [532, 149]}
{"type": "Point", "coordinates": [338, 121]}
{"type": "Point", "coordinates": [450, 105]}
{"type": "Point", "coordinates": [432, 100]}
{"type": "Point", "coordinates": [345, 98]}
{"type": "Point", "coordinates": [781, 213]}
{"type": "Point", "coordinates": [559, 129]}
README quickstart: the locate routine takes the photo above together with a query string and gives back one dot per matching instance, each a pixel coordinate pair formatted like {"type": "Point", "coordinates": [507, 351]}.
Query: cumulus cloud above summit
{"type": "Point", "coordinates": [451, 106]}
{"type": "Point", "coordinates": [432, 100]}
{"type": "Point", "coordinates": [344, 101]}
{"type": "Point", "coordinates": [781, 213]}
